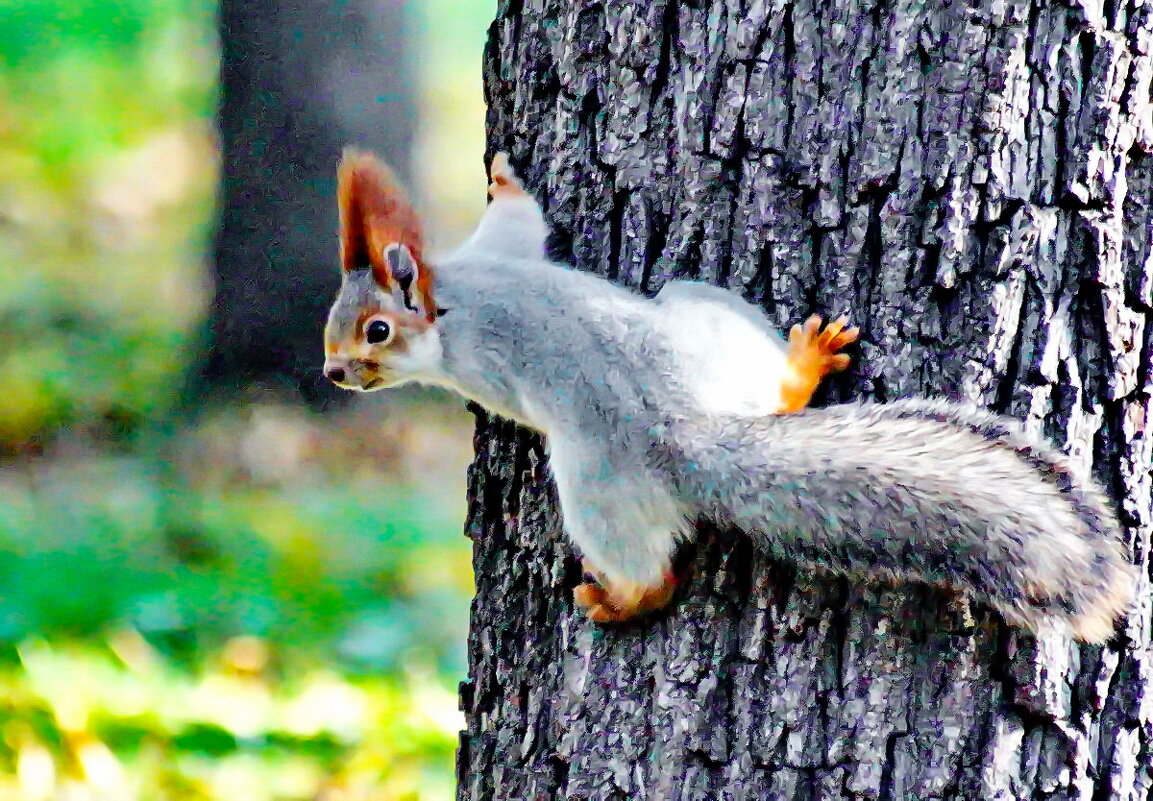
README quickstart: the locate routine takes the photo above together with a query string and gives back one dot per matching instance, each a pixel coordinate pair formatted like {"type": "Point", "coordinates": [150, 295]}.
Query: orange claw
{"type": "Point", "coordinates": [812, 356]}
{"type": "Point", "coordinates": [594, 600]}
{"type": "Point", "coordinates": [604, 603]}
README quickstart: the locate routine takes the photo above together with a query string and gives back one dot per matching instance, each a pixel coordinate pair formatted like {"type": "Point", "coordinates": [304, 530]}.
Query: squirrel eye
{"type": "Point", "coordinates": [377, 331]}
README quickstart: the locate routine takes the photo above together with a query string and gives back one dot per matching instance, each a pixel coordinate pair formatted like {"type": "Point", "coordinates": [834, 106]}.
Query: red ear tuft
{"type": "Point", "coordinates": [374, 213]}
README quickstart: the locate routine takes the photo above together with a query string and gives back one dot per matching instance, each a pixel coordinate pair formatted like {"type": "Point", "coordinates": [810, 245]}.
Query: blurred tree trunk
{"type": "Point", "coordinates": [972, 182]}
{"type": "Point", "coordinates": [300, 80]}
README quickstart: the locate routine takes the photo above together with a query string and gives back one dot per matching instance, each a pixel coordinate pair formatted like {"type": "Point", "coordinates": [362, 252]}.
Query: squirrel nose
{"type": "Point", "coordinates": [336, 375]}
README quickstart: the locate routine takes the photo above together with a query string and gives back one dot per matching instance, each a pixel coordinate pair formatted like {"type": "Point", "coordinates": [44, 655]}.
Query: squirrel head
{"type": "Point", "coordinates": [381, 330]}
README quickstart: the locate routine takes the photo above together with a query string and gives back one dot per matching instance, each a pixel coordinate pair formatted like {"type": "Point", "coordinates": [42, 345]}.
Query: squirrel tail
{"type": "Point", "coordinates": [930, 491]}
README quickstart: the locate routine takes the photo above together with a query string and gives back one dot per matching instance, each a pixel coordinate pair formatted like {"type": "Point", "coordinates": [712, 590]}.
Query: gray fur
{"type": "Point", "coordinates": [358, 293]}
{"type": "Point", "coordinates": [928, 491]}
{"type": "Point", "coordinates": [925, 490]}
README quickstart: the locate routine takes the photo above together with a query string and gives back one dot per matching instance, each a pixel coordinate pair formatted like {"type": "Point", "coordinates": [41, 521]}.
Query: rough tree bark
{"type": "Point", "coordinates": [972, 182]}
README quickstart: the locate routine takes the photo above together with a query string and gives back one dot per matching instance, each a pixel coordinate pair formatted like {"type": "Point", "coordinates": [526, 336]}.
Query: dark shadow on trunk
{"type": "Point", "coordinates": [299, 82]}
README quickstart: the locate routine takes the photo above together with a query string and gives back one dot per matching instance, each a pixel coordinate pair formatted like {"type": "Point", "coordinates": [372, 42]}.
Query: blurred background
{"type": "Point", "coordinates": [219, 579]}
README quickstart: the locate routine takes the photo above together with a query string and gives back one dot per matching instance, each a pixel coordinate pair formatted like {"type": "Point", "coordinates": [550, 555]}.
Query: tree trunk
{"type": "Point", "coordinates": [299, 81]}
{"type": "Point", "coordinates": [972, 183]}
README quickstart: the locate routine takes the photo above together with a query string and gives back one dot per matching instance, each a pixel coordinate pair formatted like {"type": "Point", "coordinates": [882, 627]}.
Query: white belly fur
{"type": "Point", "coordinates": [727, 363]}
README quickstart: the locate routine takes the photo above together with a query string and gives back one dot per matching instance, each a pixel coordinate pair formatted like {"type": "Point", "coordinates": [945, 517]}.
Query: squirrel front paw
{"type": "Point", "coordinates": [616, 603]}
{"type": "Point", "coordinates": [816, 350]}
{"type": "Point", "coordinates": [813, 354]}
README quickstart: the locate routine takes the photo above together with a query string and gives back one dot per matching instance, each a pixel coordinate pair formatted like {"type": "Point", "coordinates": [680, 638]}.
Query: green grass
{"type": "Point", "coordinates": [106, 207]}
{"type": "Point", "coordinates": [174, 624]}
{"type": "Point", "coordinates": [117, 718]}
{"type": "Point", "coordinates": [114, 540]}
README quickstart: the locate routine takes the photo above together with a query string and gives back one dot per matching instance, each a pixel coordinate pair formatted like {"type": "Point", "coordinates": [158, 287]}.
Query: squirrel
{"type": "Point", "coordinates": [659, 411]}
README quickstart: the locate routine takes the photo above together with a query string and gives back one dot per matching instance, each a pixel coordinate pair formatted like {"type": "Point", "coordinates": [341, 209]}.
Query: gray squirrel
{"type": "Point", "coordinates": [657, 411]}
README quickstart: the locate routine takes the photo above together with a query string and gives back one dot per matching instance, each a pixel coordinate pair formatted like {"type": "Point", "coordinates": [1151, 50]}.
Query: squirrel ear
{"type": "Point", "coordinates": [400, 263]}
{"type": "Point", "coordinates": [405, 273]}
{"type": "Point", "coordinates": [411, 283]}
{"type": "Point", "coordinates": [377, 220]}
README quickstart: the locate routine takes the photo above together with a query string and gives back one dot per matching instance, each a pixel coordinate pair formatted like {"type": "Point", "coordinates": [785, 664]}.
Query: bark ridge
{"type": "Point", "coordinates": [972, 183]}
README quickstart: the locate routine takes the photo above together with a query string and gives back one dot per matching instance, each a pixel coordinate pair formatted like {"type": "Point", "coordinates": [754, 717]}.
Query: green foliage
{"type": "Point", "coordinates": [172, 622]}
{"type": "Point", "coordinates": [86, 77]}
{"type": "Point", "coordinates": [116, 540]}
{"type": "Point", "coordinates": [34, 31]}
{"type": "Point", "coordinates": [106, 149]}
{"type": "Point", "coordinates": [174, 628]}
{"type": "Point", "coordinates": [116, 719]}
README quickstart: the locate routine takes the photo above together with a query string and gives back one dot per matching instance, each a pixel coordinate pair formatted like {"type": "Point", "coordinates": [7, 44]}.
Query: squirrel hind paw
{"type": "Point", "coordinates": [616, 604]}
{"type": "Point", "coordinates": [504, 178]}
{"type": "Point", "coordinates": [593, 600]}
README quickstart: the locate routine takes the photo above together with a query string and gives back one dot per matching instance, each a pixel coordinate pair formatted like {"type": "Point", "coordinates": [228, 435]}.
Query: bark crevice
{"type": "Point", "coordinates": [972, 183]}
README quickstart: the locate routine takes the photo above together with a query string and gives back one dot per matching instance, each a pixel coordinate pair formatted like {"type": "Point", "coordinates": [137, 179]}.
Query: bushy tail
{"type": "Point", "coordinates": [923, 490]}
